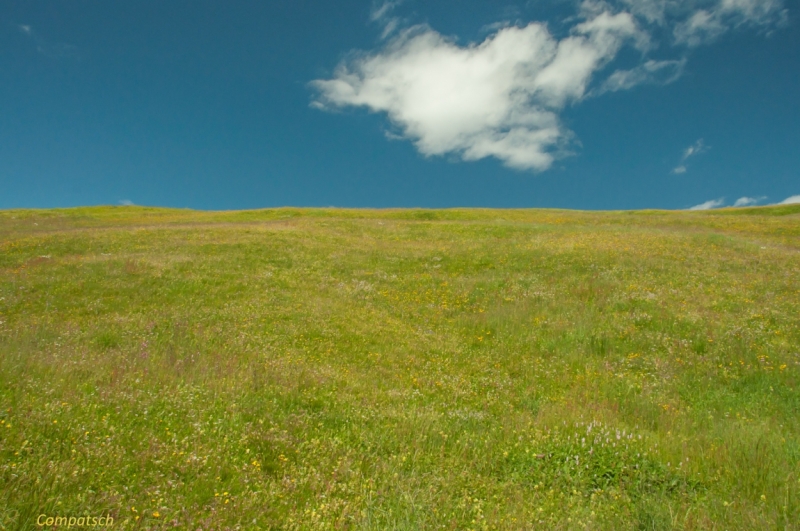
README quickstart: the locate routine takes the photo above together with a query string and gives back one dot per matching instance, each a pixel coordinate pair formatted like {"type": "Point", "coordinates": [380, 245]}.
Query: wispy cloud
{"type": "Point", "coordinates": [714, 19]}
{"type": "Point", "coordinates": [701, 21]}
{"type": "Point", "coordinates": [695, 149]}
{"type": "Point", "coordinates": [708, 205]}
{"type": "Point", "coordinates": [381, 14]}
{"type": "Point", "coordinates": [661, 72]}
{"type": "Point", "coordinates": [126, 202]}
{"type": "Point", "coordinates": [381, 10]}
{"type": "Point", "coordinates": [503, 97]}
{"type": "Point", "coordinates": [748, 201]}
{"type": "Point", "coordinates": [691, 151]}
{"type": "Point", "coordinates": [793, 200]}
{"type": "Point", "coordinates": [57, 50]}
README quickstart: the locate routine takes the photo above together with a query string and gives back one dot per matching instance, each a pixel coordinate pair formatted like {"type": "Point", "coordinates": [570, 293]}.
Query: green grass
{"type": "Point", "coordinates": [401, 369]}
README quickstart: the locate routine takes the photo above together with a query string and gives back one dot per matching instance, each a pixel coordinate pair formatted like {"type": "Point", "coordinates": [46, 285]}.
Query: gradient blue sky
{"type": "Point", "coordinates": [246, 104]}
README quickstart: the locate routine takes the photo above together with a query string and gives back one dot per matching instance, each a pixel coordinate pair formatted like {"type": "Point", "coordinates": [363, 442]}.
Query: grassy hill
{"type": "Point", "coordinates": [401, 369]}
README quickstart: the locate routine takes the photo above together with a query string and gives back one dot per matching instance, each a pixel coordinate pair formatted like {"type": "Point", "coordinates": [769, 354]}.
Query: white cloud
{"type": "Point", "coordinates": [24, 28]}
{"type": "Point", "coordinates": [126, 202]}
{"type": "Point", "coordinates": [498, 98]}
{"type": "Point", "coordinates": [748, 201]}
{"type": "Point", "coordinates": [708, 205]}
{"type": "Point", "coordinates": [502, 97]}
{"type": "Point", "coordinates": [793, 200]}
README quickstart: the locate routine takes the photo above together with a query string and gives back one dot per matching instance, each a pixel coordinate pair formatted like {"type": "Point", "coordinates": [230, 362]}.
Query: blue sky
{"type": "Point", "coordinates": [244, 104]}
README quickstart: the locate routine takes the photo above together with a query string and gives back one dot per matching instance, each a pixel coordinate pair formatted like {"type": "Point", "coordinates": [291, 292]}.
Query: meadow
{"type": "Point", "coordinates": [310, 369]}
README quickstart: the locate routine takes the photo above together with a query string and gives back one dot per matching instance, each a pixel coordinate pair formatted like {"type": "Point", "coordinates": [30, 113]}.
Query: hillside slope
{"type": "Point", "coordinates": [401, 369]}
